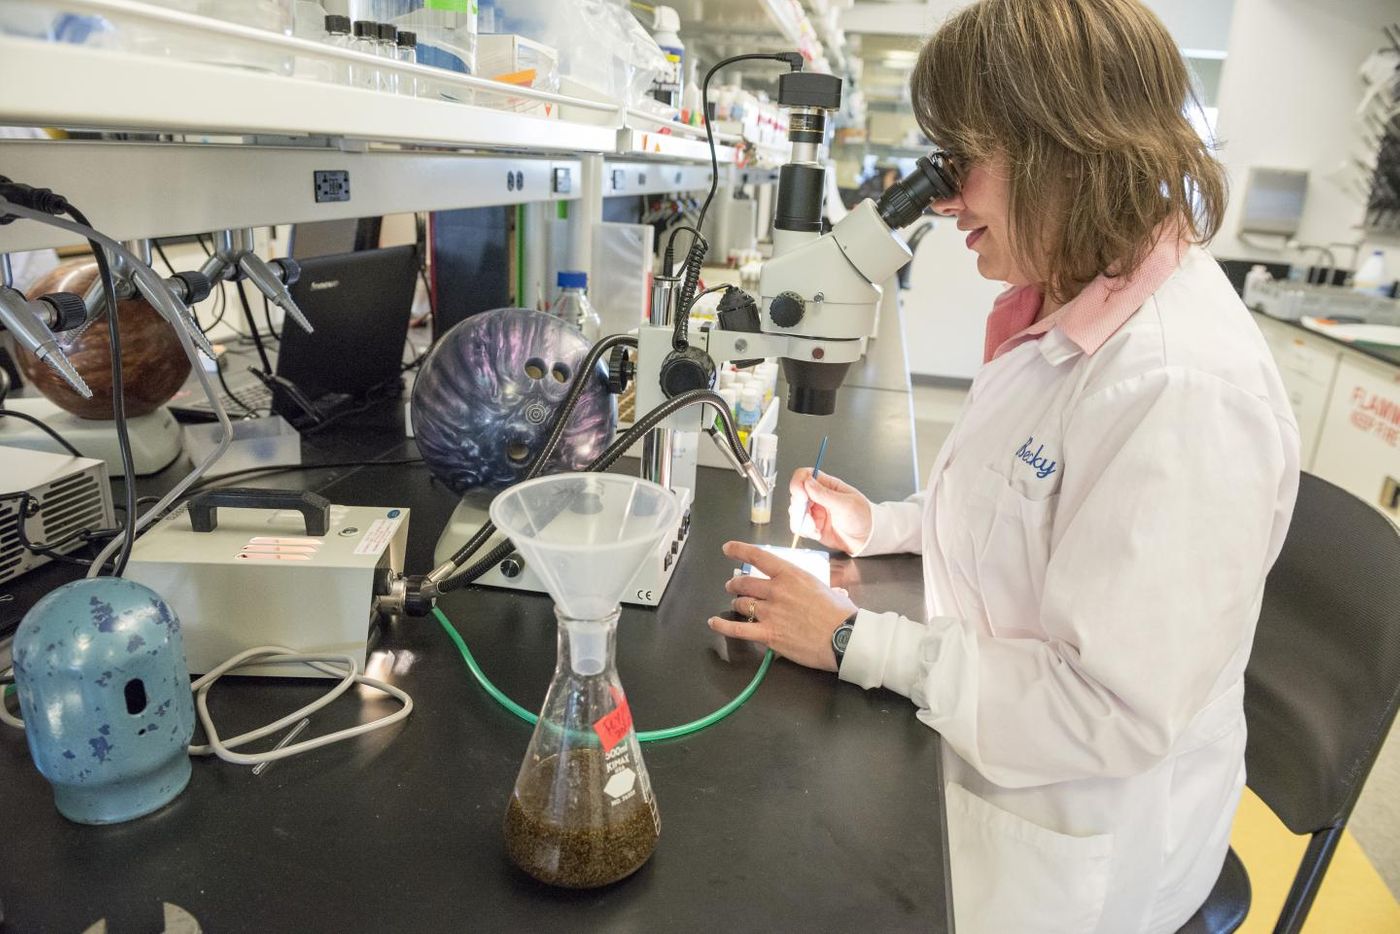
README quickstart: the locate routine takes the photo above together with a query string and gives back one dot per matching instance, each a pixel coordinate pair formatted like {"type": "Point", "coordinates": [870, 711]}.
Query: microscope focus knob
{"type": "Point", "coordinates": [685, 371]}
{"type": "Point", "coordinates": [787, 309]}
{"type": "Point", "coordinates": [621, 371]}
{"type": "Point", "coordinates": [512, 567]}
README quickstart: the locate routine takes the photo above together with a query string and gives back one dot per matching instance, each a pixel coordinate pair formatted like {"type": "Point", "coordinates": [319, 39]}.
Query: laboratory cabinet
{"type": "Point", "coordinates": [1360, 445]}
{"type": "Point", "coordinates": [1347, 403]}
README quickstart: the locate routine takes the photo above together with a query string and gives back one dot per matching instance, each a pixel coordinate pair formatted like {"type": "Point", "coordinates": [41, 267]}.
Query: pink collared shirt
{"type": "Point", "coordinates": [1092, 316]}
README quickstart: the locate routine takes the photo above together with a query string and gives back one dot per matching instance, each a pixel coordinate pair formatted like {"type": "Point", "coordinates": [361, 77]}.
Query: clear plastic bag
{"type": "Point", "coordinates": [600, 43]}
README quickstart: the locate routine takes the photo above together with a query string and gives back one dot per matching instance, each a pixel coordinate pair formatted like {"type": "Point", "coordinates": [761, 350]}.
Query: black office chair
{"type": "Point", "coordinates": [1321, 689]}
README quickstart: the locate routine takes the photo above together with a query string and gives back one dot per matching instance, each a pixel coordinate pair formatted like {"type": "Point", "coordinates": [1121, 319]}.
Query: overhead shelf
{"type": "Point", "coordinates": [92, 87]}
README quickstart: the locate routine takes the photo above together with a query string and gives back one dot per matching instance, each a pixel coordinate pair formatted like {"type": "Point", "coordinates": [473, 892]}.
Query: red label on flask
{"type": "Point", "coordinates": [613, 726]}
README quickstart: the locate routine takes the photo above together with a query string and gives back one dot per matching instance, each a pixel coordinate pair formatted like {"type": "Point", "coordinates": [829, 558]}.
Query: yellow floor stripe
{"type": "Point", "coordinates": [1354, 899]}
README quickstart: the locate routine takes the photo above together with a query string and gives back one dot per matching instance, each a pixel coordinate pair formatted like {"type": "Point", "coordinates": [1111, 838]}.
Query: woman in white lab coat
{"type": "Point", "coordinates": [1097, 529]}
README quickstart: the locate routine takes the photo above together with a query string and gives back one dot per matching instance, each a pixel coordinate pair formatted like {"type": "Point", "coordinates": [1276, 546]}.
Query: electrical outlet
{"type": "Point", "coordinates": [332, 185]}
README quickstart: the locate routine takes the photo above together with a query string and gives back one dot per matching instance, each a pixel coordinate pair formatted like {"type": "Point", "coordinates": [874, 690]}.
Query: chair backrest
{"type": "Point", "coordinates": [1323, 682]}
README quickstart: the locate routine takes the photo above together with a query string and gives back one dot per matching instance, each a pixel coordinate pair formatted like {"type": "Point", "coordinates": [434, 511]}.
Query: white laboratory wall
{"type": "Point", "coordinates": [945, 309]}
{"type": "Point", "coordinates": [1288, 96]}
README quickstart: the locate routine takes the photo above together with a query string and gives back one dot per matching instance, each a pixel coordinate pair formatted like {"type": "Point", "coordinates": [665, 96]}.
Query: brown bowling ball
{"type": "Point", "coordinates": [154, 364]}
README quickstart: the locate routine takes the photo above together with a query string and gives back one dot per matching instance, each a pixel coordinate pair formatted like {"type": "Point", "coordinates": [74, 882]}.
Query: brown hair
{"type": "Point", "coordinates": [1086, 101]}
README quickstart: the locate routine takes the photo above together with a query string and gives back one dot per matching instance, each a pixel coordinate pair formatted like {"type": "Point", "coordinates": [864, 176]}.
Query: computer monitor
{"type": "Point", "coordinates": [359, 304]}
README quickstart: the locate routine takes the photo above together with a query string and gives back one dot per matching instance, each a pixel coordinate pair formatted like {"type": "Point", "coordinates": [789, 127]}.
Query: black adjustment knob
{"type": "Point", "coordinates": [685, 371]}
{"type": "Point", "coordinates": [196, 285]}
{"type": "Point", "coordinates": [291, 270]}
{"type": "Point", "coordinates": [621, 371]}
{"type": "Point", "coordinates": [512, 567]}
{"type": "Point", "coordinates": [737, 311]}
{"type": "Point", "coordinates": [68, 310]}
{"type": "Point", "coordinates": [787, 309]}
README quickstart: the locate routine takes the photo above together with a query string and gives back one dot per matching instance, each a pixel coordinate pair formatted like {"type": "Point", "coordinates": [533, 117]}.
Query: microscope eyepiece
{"type": "Point", "coordinates": [933, 179]}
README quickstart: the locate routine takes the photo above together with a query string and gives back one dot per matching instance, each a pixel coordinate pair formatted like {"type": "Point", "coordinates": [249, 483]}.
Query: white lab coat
{"type": "Point", "coordinates": [1095, 535]}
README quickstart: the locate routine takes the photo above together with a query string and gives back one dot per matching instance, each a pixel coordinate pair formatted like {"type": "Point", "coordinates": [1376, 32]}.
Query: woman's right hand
{"type": "Point", "coordinates": [829, 510]}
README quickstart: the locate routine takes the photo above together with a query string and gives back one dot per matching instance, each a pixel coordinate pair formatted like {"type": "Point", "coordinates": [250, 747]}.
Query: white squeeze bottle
{"type": "Point", "coordinates": [669, 84]}
{"type": "Point", "coordinates": [1370, 278]}
{"type": "Point", "coordinates": [1257, 276]}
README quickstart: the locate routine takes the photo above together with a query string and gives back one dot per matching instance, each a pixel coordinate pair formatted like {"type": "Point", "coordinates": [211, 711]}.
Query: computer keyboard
{"type": "Point", "coordinates": [250, 395]}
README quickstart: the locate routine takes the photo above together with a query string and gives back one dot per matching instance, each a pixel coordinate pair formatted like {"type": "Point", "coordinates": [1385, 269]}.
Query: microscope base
{"type": "Point", "coordinates": [646, 589]}
{"type": "Point", "coordinates": [156, 440]}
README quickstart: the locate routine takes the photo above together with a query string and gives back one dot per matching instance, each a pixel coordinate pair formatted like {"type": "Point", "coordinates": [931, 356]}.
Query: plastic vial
{"type": "Point", "coordinates": [765, 458]}
{"type": "Point", "coordinates": [731, 396]}
{"type": "Point", "coordinates": [768, 376]}
{"type": "Point", "coordinates": [573, 306]}
{"type": "Point", "coordinates": [750, 411]}
{"type": "Point", "coordinates": [408, 54]}
{"type": "Point", "coordinates": [366, 40]}
{"type": "Point", "coordinates": [338, 36]}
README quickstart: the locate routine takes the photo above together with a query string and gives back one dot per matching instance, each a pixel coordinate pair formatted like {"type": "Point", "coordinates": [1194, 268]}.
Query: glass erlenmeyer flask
{"type": "Point", "coordinates": [582, 813]}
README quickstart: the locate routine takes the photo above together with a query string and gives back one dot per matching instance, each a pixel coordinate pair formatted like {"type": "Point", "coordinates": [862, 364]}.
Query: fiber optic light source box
{"type": "Point", "coordinates": [72, 494]}
{"type": "Point", "coordinates": [297, 572]}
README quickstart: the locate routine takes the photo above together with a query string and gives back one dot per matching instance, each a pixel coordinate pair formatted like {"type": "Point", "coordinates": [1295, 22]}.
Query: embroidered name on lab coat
{"type": "Point", "coordinates": [1035, 457]}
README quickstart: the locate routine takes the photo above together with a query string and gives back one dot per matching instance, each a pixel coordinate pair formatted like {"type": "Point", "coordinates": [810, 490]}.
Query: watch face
{"type": "Point", "coordinates": [842, 637]}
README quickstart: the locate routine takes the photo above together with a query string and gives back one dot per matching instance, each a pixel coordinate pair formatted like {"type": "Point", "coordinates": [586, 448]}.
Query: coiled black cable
{"type": "Point", "coordinates": [690, 280]}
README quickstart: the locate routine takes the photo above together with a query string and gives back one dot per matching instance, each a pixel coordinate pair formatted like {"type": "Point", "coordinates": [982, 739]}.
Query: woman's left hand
{"type": "Point", "coordinates": [792, 612]}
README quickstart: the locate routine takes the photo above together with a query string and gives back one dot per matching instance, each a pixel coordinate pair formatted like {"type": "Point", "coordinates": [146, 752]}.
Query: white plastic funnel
{"type": "Point", "coordinates": [586, 534]}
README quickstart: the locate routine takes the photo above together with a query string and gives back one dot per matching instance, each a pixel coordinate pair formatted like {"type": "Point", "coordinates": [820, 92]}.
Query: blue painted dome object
{"type": "Point", "coordinates": [105, 695]}
{"type": "Point", "coordinates": [488, 390]}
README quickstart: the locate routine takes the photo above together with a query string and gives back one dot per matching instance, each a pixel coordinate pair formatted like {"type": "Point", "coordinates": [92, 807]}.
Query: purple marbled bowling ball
{"type": "Point", "coordinates": [488, 391]}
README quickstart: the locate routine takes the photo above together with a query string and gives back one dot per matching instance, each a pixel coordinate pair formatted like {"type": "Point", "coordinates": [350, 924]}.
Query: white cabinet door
{"type": "Point", "coordinates": [1307, 365]}
{"type": "Point", "coordinates": [1360, 445]}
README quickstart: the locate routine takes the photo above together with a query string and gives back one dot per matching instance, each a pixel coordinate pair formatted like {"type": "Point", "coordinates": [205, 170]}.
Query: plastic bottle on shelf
{"type": "Point", "coordinates": [1370, 279]}
{"type": "Point", "coordinates": [750, 411]}
{"type": "Point", "coordinates": [1258, 275]}
{"type": "Point", "coordinates": [765, 459]}
{"type": "Point", "coordinates": [572, 305]}
{"type": "Point", "coordinates": [768, 375]}
{"type": "Point", "coordinates": [669, 85]}
{"type": "Point", "coordinates": [446, 31]}
{"type": "Point", "coordinates": [690, 97]}
{"type": "Point", "coordinates": [408, 54]}
{"type": "Point", "coordinates": [731, 396]}
{"type": "Point", "coordinates": [366, 40]}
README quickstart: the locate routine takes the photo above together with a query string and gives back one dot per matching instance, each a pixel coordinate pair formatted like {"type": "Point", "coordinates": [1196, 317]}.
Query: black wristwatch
{"type": "Point", "coordinates": [841, 637]}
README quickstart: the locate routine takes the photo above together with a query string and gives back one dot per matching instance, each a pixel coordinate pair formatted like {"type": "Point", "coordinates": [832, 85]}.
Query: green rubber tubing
{"type": "Point", "coordinates": [646, 736]}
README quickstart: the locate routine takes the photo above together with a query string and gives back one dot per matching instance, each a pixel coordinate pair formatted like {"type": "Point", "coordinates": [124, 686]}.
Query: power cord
{"type": "Point", "coordinates": [26, 417]}
{"type": "Point", "coordinates": [280, 655]}
{"type": "Point", "coordinates": [794, 61]}
{"type": "Point", "coordinates": [349, 674]}
{"type": "Point", "coordinates": [109, 290]}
